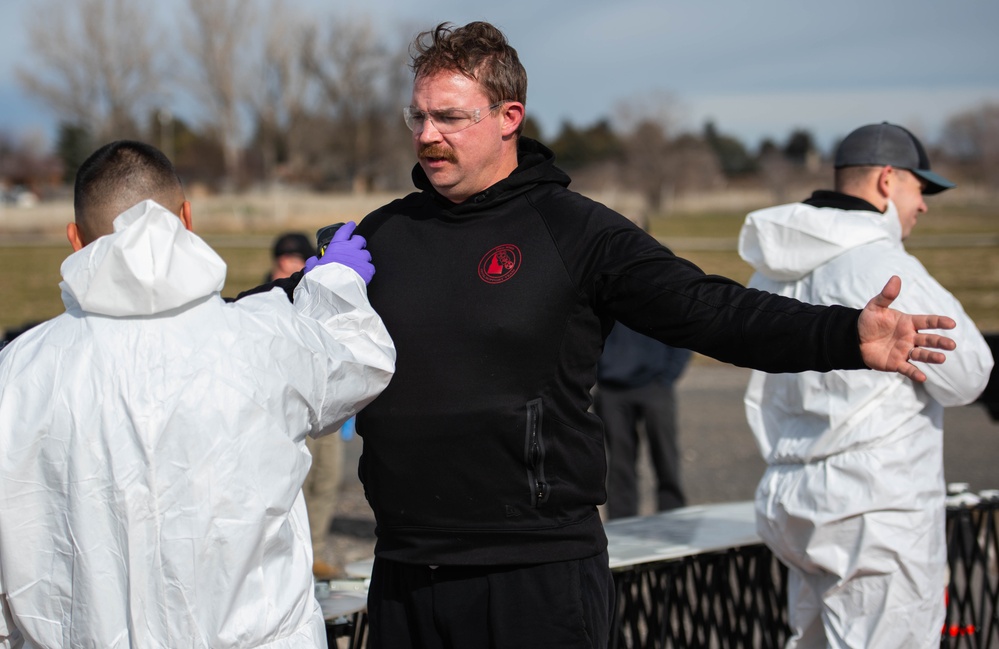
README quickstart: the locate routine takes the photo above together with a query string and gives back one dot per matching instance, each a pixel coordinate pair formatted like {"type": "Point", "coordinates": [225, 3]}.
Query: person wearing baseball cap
{"type": "Point", "coordinates": [853, 497]}
{"type": "Point", "coordinates": [290, 251]}
{"type": "Point", "coordinates": [885, 144]}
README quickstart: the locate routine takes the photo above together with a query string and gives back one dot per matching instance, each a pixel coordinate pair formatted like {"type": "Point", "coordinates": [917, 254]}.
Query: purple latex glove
{"type": "Point", "coordinates": [346, 249]}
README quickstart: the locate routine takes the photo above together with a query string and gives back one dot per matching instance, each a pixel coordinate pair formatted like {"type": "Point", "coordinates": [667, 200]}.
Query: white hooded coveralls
{"type": "Point", "coordinates": [853, 499]}
{"type": "Point", "coordinates": [152, 447]}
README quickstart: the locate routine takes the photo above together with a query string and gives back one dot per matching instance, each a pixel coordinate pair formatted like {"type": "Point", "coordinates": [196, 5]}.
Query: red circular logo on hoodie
{"type": "Point", "coordinates": [500, 264]}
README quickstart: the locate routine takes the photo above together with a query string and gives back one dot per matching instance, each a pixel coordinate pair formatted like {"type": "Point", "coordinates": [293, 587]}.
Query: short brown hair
{"type": "Point", "coordinates": [479, 51]}
{"type": "Point", "coordinates": [117, 176]}
{"type": "Point", "coordinates": [851, 178]}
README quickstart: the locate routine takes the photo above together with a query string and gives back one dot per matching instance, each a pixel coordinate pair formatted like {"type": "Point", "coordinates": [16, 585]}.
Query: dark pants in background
{"type": "Point", "coordinates": [623, 411]}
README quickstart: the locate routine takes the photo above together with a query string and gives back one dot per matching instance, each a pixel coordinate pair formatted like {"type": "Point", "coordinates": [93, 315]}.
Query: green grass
{"type": "Point", "coordinates": [945, 219]}
{"type": "Point", "coordinates": [970, 272]}
{"type": "Point", "coordinates": [29, 290]}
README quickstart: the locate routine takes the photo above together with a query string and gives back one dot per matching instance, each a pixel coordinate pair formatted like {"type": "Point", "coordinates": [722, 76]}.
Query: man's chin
{"type": "Point", "coordinates": [445, 186]}
{"type": "Point", "coordinates": [440, 174]}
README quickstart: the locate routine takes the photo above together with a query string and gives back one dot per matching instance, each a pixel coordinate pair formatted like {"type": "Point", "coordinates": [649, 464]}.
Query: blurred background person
{"type": "Point", "coordinates": [289, 253]}
{"type": "Point", "coordinates": [636, 376]}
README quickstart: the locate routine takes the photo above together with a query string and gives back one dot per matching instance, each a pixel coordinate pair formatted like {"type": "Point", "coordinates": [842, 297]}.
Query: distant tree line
{"type": "Point", "coordinates": [237, 92]}
{"type": "Point", "coordinates": [244, 93]}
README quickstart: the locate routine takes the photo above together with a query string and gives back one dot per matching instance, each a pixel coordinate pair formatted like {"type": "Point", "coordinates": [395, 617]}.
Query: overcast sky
{"type": "Point", "coordinates": [757, 68]}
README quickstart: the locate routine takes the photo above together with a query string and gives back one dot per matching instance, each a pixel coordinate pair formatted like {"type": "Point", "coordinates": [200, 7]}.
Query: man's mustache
{"type": "Point", "coordinates": [438, 152]}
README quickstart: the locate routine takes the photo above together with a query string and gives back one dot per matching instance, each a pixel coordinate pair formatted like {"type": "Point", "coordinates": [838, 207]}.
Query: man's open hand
{"type": "Point", "coordinates": [890, 340]}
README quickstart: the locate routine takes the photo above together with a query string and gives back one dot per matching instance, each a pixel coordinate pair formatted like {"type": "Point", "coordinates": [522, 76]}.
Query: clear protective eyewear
{"type": "Point", "coordinates": [447, 120]}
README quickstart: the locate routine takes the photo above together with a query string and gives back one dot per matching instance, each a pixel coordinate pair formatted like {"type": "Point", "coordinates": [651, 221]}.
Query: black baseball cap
{"type": "Point", "coordinates": [887, 144]}
{"type": "Point", "coordinates": [294, 243]}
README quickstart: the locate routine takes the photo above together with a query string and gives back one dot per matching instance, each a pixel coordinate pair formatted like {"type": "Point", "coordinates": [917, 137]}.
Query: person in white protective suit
{"type": "Point", "coordinates": [152, 437]}
{"type": "Point", "coordinates": [853, 497]}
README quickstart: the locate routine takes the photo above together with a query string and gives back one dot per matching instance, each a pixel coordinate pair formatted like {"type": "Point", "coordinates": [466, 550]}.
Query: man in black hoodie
{"type": "Point", "coordinates": [481, 461]}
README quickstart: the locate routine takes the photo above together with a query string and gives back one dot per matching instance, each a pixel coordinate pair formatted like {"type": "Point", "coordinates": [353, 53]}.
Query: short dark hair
{"type": "Point", "coordinates": [850, 178]}
{"type": "Point", "coordinates": [118, 176]}
{"type": "Point", "coordinates": [479, 51]}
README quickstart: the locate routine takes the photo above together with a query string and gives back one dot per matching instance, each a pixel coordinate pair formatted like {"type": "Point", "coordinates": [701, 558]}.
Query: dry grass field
{"type": "Point", "coordinates": [958, 243]}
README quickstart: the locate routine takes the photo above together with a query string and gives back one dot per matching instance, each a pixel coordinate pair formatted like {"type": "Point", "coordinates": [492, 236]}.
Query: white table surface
{"type": "Point", "coordinates": [341, 597]}
{"type": "Point", "coordinates": [338, 604]}
{"type": "Point", "coordinates": [680, 532]}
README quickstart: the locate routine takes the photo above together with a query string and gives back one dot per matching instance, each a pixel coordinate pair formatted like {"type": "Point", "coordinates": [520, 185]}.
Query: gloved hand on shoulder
{"type": "Point", "coordinates": [347, 249]}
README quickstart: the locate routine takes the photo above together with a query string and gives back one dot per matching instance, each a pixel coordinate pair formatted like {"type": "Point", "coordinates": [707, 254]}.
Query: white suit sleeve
{"type": "Point", "coordinates": [964, 375]}
{"type": "Point", "coordinates": [359, 351]}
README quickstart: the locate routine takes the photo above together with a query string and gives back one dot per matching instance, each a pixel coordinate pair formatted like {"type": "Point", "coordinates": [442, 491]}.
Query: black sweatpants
{"type": "Point", "coordinates": [562, 605]}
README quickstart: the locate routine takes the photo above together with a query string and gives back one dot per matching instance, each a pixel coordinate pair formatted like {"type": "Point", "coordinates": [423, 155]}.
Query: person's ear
{"type": "Point", "coordinates": [185, 215]}
{"type": "Point", "coordinates": [886, 181]}
{"type": "Point", "coordinates": [73, 234]}
{"type": "Point", "coordinates": [512, 114]}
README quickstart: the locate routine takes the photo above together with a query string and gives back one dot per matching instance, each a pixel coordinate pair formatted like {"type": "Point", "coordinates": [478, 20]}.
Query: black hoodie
{"type": "Point", "coordinates": [482, 451]}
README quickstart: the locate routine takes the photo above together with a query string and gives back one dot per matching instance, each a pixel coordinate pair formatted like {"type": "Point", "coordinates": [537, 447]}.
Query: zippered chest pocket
{"type": "Point", "coordinates": [534, 454]}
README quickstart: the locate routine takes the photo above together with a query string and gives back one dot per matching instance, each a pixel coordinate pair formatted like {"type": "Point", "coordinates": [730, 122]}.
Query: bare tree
{"type": "Point", "coordinates": [658, 162]}
{"type": "Point", "coordinates": [279, 102]}
{"type": "Point", "coordinates": [972, 139]}
{"type": "Point", "coordinates": [97, 63]}
{"type": "Point", "coordinates": [397, 159]}
{"type": "Point", "coordinates": [646, 124]}
{"type": "Point", "coordinates": [776, 171]}
{"type": "Point", "coordinates": [695, 167]}
{"type": "Point", "coordinates": [359, 92]}
{"type": "Point", "coordinates": [654, 107]}
{"type": "Point", "coordinates": [647, 165]}
{"type": "Point", "coordinates": [219, 40]}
